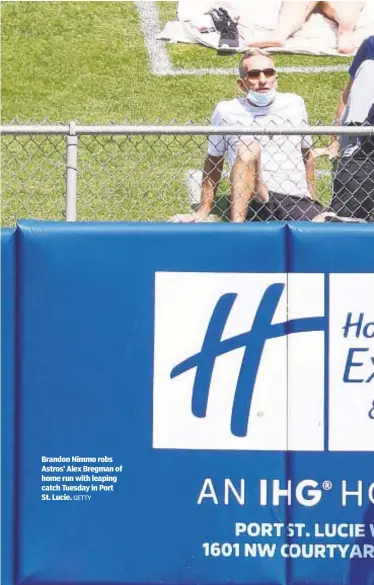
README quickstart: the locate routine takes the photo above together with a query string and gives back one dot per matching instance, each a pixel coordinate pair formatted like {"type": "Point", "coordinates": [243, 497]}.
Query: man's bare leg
{"type": "Point", "coordinates": [246, 182]}
{"type": "Point", "coordinates": [291, 18]}
{"type": "Point", "coordinates": [345, 14]}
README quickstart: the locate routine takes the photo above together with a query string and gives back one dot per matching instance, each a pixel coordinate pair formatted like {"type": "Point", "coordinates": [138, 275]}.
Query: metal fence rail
{"type": "Point", "coordinates": [131, 173]}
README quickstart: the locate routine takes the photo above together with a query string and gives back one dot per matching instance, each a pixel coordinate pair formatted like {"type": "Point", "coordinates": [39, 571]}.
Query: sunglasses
{"type": "Point", "coordinates": [255, 73]}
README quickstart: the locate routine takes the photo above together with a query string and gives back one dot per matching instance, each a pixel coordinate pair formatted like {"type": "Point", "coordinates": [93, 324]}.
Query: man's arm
{"type": "Point", "coordinates": [343, 101]}
{"type": "Point", "coordinates": [364, 52]}
{"type": "Point", "coordinates": [212, 173]}
{"type": "Point", "coordinates": [211, 177]}
{"type": "Point", "coordinates": [334, 146]}
{"type": "Point", "coordinates": [309, 162]}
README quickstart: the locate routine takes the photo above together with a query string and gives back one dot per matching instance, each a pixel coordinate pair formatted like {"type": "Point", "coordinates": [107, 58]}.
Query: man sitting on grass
{"type": "Point", "coordinates": [274, 173]}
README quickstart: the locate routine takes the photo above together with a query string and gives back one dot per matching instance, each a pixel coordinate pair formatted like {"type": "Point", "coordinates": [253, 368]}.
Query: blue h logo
{"type": "Point", "coordinates": [253, 341]}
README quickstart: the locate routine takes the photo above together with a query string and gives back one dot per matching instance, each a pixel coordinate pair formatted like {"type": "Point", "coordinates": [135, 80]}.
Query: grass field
{"type": "Point", "coordinates": [87, 61]}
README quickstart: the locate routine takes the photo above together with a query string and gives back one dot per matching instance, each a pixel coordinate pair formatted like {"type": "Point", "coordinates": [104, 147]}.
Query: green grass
{"type": "Point", "coordinates": [86, 61]}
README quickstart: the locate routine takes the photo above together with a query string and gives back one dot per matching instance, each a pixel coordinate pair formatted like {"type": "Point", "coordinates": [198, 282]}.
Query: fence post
{"type": "Point", "coordinates": [71, 174]}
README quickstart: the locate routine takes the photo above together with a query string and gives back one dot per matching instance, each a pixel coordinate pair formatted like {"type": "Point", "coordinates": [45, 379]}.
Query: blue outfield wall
{"type": "Point", "coordinates": [7, 403]}
{"type": "Point", "coordinates": [194, 404]}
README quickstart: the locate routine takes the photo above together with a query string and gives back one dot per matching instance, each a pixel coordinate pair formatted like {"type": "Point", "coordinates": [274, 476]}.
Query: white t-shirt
{"type": "Point", "coordinates": [282, 163]}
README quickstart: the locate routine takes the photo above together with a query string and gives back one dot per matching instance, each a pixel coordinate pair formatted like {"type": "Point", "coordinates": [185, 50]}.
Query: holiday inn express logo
{"type": "Point", "coordinates": [253, 343]}
{"type": "Point", "coordinates": [253, 361]}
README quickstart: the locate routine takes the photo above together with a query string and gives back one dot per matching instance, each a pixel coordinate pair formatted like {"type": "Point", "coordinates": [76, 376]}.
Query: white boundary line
{"type": "Point", "coordinates": [157, 53]}
{"type": "Point", "coordinates": [161, 65]}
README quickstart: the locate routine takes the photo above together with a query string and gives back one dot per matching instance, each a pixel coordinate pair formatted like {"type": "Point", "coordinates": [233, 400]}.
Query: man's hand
{"type": "Point", "coordinates": [211, 177]}
{"type": "Point", "coordinates": [183, 218]}
{"type": "Point", "coordinates": [192, 218]}
{"type": "Point", "coordinates": [332, 151]}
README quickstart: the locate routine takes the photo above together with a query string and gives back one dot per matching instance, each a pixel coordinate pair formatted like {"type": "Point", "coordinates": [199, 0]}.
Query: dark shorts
{"type": "Point", "coordinates": [284, 208]}
{"type": "Point", "coordinates": [353, 192]}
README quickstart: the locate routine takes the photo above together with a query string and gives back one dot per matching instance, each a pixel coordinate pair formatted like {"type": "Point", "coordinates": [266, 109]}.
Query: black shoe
{"type": "Point", "coordinates": [224, 24]}
{"type": "Point", "coordinates": [218, 18]}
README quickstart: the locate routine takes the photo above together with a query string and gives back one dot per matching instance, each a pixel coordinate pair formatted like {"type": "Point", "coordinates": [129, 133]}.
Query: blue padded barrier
{"type": "Point", "coordinates": [344, 255]}
{"type": "Point", "coordinates": [217, 383]}
{"type": "Point", "coordinates": [7, 403]}
{"type": "Point", "coordinates": [87, 296]}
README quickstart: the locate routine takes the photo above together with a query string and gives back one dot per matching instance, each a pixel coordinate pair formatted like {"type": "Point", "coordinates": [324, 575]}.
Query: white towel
{"type": "Point", "coordinates": [317, 36]}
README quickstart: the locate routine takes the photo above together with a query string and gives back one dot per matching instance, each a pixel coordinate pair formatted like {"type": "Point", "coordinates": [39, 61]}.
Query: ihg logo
{"type": "Point", "coordinates": [259, 362]}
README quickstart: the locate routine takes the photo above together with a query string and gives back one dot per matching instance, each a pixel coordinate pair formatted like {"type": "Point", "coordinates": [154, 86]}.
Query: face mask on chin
{"type": "Point", "coordinates": [259, 98]}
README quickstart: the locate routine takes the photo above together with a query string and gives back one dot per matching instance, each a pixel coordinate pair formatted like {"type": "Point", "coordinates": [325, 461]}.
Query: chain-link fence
{"type": "Point", "coordinates": [151, 173]}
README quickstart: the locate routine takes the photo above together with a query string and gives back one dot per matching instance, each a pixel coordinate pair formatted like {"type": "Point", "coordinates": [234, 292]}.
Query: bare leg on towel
{"type": "Point", "coordinates": [291, 18]}
{"type": "Point", "coordinates": [293, 15]}
{"type": "Point", "coordinates": [345, 14]}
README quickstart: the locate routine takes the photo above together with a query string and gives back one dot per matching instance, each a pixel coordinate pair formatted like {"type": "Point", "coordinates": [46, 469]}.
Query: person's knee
{"type": "Point", "coordinates": [248, 152]}
{"type": "Point", "coordinates": [346, 16]}
{"type": "Point", "coordinates": [346, 23]}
